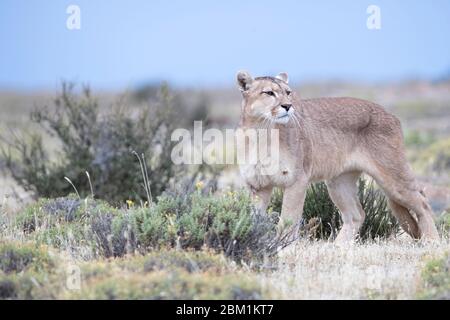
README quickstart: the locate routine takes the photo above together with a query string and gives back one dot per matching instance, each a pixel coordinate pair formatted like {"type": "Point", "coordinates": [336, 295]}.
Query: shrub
{"type": "Point", "coordinates": [92, 226]}
{"type": "Point", "coordinates": [49, 212]}
{"type": "Point", "coordinates": [323, 218]}
{"type": "Point", "coordinates": [225, 223]}
{"type": "Point", "coordinates": [16, 258]}
{"type": "Point", "coordinates": [98, 143]}
{"type": "Point", "coordinates": [436, 279]}
{"type": "Point", "coordinates": [24, 270]}
{"type": "Point", "coordinates": [8, 289]}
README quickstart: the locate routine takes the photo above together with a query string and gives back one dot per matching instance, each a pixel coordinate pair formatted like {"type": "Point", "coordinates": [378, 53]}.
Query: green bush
{"type": "Point", "coordinates": [15, 258]}
{"type": "Point", "coordinates": [100, 143]}
{"type": "Point", "coordinates": [24, 270]}
{"type": "Point", "coordinates": [226, 223]}
{"type": "Point", "coordinates": [49, 212]}
{"type": "Point", "coordinates": [436, 279]}
{"type": "Point", "coordinates": [322, 217]}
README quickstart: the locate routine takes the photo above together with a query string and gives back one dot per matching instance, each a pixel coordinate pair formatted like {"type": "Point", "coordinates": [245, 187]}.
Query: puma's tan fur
{"type": "Point", "coordinates": [332, 140]}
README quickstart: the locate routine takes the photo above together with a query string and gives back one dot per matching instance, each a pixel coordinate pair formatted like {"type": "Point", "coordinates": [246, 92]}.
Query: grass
{"type": "Point", "coordinates": [376, 270]}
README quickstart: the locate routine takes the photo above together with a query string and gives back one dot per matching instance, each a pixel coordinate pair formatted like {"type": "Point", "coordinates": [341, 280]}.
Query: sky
{"type": "Point", "coordinates": [122, 44]}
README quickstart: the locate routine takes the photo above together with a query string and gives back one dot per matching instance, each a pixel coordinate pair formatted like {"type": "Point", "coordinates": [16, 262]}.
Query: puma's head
{"type": "Point", "coordinates": [266, 99]}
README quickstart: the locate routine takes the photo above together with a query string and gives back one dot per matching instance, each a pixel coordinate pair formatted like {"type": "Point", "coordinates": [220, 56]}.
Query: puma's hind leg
{"type": "Point", "coordinates": [406, 220]}
{"type": "Point", "coordinates": [405, 197]}
{"type": "Point", "coordinates": [343, 190]}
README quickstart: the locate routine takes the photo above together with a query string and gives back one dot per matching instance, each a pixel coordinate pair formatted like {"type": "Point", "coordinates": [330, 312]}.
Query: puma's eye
{"type": "Point", "coordinates": [269, 93]}
{"type": "Point", "coordinates": [288, 92]}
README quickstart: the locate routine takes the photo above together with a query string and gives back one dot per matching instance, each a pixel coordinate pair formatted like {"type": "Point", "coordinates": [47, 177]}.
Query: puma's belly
{"type": "Point", "coordinates": [338, 163]}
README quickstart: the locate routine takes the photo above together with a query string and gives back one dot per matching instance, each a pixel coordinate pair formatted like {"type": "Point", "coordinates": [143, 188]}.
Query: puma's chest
{"type": "Point", "coordinates": [272, 171]}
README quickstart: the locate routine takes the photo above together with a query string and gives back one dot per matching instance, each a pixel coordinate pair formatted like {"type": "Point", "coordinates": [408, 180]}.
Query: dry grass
{"type": "Point", "coordinates": [324, 270]}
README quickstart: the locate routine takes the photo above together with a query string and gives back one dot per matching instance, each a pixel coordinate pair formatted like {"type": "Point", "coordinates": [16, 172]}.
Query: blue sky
{"type": "Point", "coordinates": [122, 44]}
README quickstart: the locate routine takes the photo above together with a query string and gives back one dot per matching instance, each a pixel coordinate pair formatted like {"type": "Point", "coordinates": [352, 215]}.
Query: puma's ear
{"type": "Point", "coordinates": [283, 76]}
{"type": "Point", "coordinates": [244, 80]}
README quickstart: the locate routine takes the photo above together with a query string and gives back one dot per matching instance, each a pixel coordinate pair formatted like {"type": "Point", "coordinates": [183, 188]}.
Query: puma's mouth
{"type": "Point", "coordinates": [283, 116]}
{"type": "Point", "coordinates": [282, 119]}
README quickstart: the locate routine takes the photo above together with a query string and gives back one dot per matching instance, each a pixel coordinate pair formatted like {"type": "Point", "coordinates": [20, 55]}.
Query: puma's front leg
{"type": "Point", "coordinates": [292, 208]}
{"type": "Point", "coordinates": [261, 198]}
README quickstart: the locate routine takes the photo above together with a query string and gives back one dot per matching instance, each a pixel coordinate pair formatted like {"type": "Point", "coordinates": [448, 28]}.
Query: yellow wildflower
{"type": "Point", "coordinates": [199, 185]}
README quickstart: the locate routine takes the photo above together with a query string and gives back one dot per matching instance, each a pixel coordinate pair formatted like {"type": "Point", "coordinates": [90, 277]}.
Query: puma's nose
{"type": "Point", "coordinates": [286, 106]}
